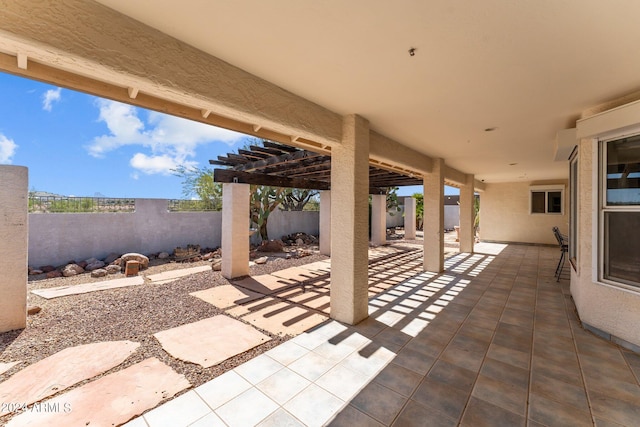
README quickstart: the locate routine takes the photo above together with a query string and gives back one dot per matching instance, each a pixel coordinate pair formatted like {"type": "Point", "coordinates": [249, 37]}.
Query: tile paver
{"type": "Point", "coordinates": [62, 370]}
{"type": "Point", "coordinates": [63, 291]}
{"type": "Point", "coordinates": [199, 342]}
{"type": "Point", "coordinates": [227, 296]}
{"type": "Point", "coordinates": [110, 400]}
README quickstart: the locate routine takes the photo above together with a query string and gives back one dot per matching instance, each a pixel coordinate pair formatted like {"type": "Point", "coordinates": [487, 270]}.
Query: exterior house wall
{"type": "Point", "coordinates": [611, 311]}
{"type": "Point", "coordinates": [505, 217]}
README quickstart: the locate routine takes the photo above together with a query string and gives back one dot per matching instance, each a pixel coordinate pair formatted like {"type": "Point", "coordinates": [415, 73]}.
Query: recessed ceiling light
{"type": "Point", "coordinates": [491, 129]}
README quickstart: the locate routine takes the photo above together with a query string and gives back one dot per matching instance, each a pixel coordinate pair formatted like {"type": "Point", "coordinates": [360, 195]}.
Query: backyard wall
{"type": "Point", "coordinates": [505, 217]}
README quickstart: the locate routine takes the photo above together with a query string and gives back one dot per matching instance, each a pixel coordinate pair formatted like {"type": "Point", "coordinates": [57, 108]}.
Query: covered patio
{"type": "Point", "coordinates": [494, 340]}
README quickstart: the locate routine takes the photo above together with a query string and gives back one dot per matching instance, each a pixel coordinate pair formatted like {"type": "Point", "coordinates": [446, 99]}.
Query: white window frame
{"type": "Point", "coordinates": [602, 208]}
{"type": "Point", "coordinates": [546, 189]}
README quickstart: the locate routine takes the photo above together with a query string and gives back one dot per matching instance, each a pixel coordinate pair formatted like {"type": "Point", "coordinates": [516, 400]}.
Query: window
{"type": "Point", "coordinates": [573, 210]}
{"type": "Point", "coordinates": [546, 199]}
{"type": "Point", "coordinates": [620, 211]}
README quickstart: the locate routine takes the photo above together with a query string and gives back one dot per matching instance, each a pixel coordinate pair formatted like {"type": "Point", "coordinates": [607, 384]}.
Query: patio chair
{"type": "Point", "coordinates": [563, 242]}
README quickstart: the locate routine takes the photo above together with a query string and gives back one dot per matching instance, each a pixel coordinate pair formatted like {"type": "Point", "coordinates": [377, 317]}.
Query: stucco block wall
{"type": "Point", "coordinates": [58, 238]}
{"type": "Point", "coordinates": [505, 217]}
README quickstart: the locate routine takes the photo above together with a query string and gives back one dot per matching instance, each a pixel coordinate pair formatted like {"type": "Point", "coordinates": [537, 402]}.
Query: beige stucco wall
{"type": "Point", "coordinates": [505, 217]}
{"type": "Point", "coordinates": [13, 247]}
{"type": "Point", "coordinates": [611, 309]}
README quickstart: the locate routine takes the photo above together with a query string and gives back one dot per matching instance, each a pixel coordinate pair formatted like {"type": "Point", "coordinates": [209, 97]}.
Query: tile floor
{"type": "Point", "coordinates": [493, 341]}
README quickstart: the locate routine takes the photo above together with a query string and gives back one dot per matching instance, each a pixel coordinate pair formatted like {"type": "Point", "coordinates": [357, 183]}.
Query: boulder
{"type": "Point", "coordinates": [47, 268]}
{"type": "Point", "coordinates": [90, 260]}
{"type": "Point", "coordinates": [94, 266]}
{"type": "Point", "coordinates": [72, 270]}
{"type": "Point", "coordinates": [132, 256]}
{"type": "Point", "coordinates": [111, 258]}
{"type": "Point", "coordinates": [33, 309]}
{"type": "Point", "coordinates": [271, 246]}
{"type": "Point", "coordinates": [33, 272]}
{"type": "Point", "coordinates": [261, 260]}
{"type": "Point", "coordinates": [100, 272]}
{"type": "Point", "coordinates": [53, 274]}
{"type": "Point", "coordinates": [216, 265]}
{"type": "Point", "coordinates": [82, 264]}
{"type": "Point", "coordinates": [113, 269]}
{"type": "Point", "coordinates": [163, 255]}
{"type": "Point", "coordinates": [299, 242]}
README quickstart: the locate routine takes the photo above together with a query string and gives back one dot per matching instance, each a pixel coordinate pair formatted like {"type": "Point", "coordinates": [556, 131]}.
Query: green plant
{"type": "Point", "coordinates": [419, 209]}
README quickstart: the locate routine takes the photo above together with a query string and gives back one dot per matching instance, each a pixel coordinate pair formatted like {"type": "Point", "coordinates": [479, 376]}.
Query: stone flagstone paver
{"type": "Point", "coordinates": [62, 370]}
{"type": "Point", "coordinates": [63, 291]}
{"type": "Point", "coordinates": [277, 316]}
{"type": "Point", "coordinates": [227, 296]}
{"type": "Point", "coordinates": [265, 284]}
{"type": "Point", "coordinates": [172, 275]}
{"type": "Point", "coordinates": [4, 367]}
{"type": "Point", "coordinates": [210, 341]}
{"type": "Point", "coordinates": [109, 401]}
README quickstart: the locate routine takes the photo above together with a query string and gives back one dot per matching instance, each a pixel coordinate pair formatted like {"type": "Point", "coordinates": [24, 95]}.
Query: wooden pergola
{"type": "Point", "coordinates": [280, 165]}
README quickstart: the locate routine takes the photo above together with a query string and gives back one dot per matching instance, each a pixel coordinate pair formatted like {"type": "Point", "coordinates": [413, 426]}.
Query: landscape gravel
{"type": "Point", "coordinates": [133, 313]}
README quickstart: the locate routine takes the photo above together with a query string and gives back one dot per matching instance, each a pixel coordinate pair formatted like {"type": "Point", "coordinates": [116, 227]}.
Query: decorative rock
{"type": "Point", "coordinates": [99, 272]}
{"type": "Point", "coordinates": [33, 272]}
{"type": "Point", "coordinates": [113, 269]}
{"type": "Point", "coordinates": [33, 309]}
{"type": "Point", "coordinates": [216, 265]}
{"type": "Point", "coordinates": [143, 260]}
{"type": "Point", "coordinates": [53, 274]}
{"type": "Point", "coordinates": [47, 268]}
{"type": "Point", "coordinates": [163, 255]}
{"type": "Point", "coordinates": [94, 266]}
{"type": "Point", "coordinates": [72, 270]}
{"type": "Point", "coordinates": [111, 258]}
{"type": "Point", "coordinates": [261, 260]}
{"type": "Point", "coordinates": [91, 260]}
{"type": "Point", "coordinates": [82, 264]}
{"type": "Point", "coordinates": [207, 256]}
{"type": "Point", "coordinates": [299, 242]}
{"type": "Point", "coordinates": [271, 246]}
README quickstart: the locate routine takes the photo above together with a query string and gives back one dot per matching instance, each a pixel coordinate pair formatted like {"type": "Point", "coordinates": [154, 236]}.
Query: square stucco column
{"type": "Point", "coordinates": [13, 247]}
{"type": "Point", "coordinates": [409, 218]}
{"type": "Point", "coordinates": [467, 237]}
{"type": "Point", "coordinates": [378, 219]}
{"type": "Point", "coordinates": [434, 218]}
{"type": "Point", "coordinates": [325, 222]}
{"type": "Point", "coordinates": [235, 230]}
{"type": "Point", "coordinates": [350, 221]}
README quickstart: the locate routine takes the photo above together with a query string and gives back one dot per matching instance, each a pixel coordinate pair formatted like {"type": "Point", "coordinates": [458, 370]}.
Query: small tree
{"type": "Point", "coordinates": [199, 182]}
{"type": "Point", "coordinates": [295, 199]}
{"type": "Point", "coordinates": [419, 209]}
{"type": "Point", "coordinates": [264, 200]}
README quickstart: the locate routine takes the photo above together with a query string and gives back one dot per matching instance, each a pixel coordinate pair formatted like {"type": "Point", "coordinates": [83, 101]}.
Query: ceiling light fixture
{"type": "Point", "coordinates": [491, 129]}
{"type": "Point", "coordinates": [412, 51]}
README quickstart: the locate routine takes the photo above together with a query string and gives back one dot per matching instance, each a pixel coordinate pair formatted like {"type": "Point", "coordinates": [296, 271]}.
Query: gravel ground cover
{"type": "Point", "coordinates": [133, 313]}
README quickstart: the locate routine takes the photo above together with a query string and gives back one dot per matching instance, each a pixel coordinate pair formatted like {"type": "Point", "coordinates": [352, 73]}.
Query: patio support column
{"type": "Point", "coordinates": [434, 218]}
{"type": "Point", "coordinates": [325, 222]}
{"type": "Point", "coordinates": [409, 218]}
{"type": "Point", "coordinates": [467, 237]}
{"type": "Point", "coordinates": [378, 219]}
{"type": "Point", "coordinates": [13, 247]}
{"type": "Point", "coordinates": [349, 222]}
{"type": "Point", "coordinates": [235, 230]}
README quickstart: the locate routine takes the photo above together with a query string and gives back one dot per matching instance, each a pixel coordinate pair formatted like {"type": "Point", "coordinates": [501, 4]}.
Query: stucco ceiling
{"type": "Point", "coordinates": [526, 68]}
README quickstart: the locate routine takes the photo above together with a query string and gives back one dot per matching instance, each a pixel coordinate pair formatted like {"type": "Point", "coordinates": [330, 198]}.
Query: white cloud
{"type": "Point", "coordinates": [7, 149]}
{"type": "Point", "coordinates": [157, 164]}
{"type": "Point", "coordinates": [172, 141]}
{"type": "Point", "coordinates": [49, 97]}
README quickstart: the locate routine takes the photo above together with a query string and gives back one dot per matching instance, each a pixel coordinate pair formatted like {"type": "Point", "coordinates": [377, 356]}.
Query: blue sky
{"type": "Point", "coordinates": [81, 145]}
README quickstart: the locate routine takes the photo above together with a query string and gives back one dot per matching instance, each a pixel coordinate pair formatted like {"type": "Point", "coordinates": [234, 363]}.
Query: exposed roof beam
{"type": "Point", "coordinates": [231, 175]}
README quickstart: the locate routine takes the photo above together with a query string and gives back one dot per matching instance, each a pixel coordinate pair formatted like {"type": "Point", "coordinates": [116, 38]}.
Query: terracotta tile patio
{"type": "Point", "coordinates": [492, 341]}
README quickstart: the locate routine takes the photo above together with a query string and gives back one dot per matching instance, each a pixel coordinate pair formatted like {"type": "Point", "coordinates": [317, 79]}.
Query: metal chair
{"type": "Point", "coordinates": [563, 242]}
